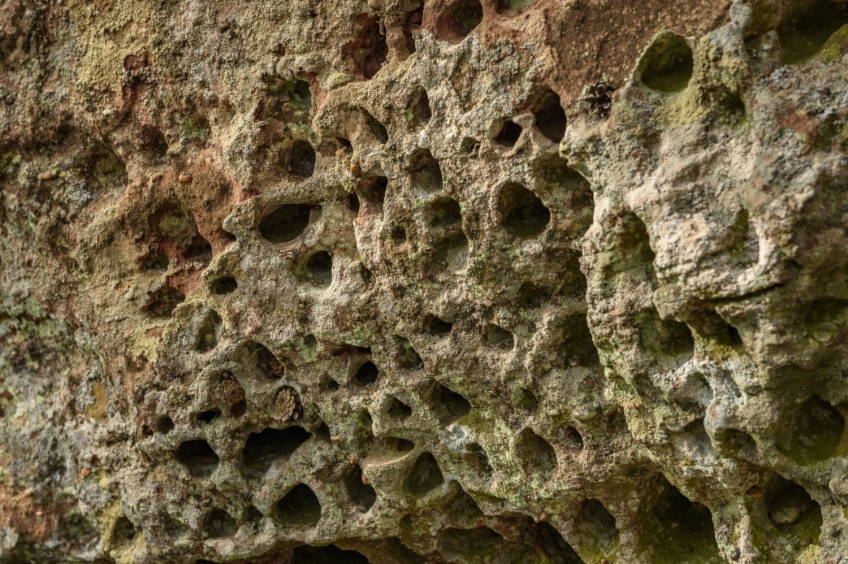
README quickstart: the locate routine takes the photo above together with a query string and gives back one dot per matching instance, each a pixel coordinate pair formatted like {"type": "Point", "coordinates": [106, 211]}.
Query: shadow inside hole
{"type": "Point", "coordinates": [411, 24]}
{"type": "Point", "coordinates": [509, 134]}
{"type": "Point", "coordinates": [536, 455]}
{"type": "Point", "coordinates": [498, 337]}
{"type": "Point", "coordinates": [352, 203]}
{"type": "Point", "coordinates": [361, 494]}
{"type": "Point", "coordinates": [209, 333]}
{"type": "Point", "coordinates": [424, 476]}
{"type": "Point", "coordinates": [419, 109]}
{"type": "Point", "coordinates": [667, 64]}
{"type": "Point", "coordinates": [264, 360]}
{"type": "Point", "coordinates": [371, 48]}
{"type": "Point", "coordinates": [445, 212]}
{"type": "Point", "coordinates": [790, 507]}
{"type": "Point", "coordinates": [366, 374]}
{"type": "Point", "coordinates": [685, 529]}
{"type": "Point", "coordinates": [124, 531]}
{"type": "Point", "coordinates": [208, 416]}
{"type": "Point", "coordinates": [578, 345]}
{"type": "Point", "coordinates": [523, 213]}
{"type": "Point", "coordinates": [299, 508]}
{"type": "Point", "coordinates": [596, 527]}
{"type": "Point", "coordinates": [451, 253]}
{"type": "Point", "coordinates": [665, 338]}
{"type": "Point", "coordinates": [477, 458]}
{"type": "Point", "coordinates": [813, 433]}
{"type": "Point", "coordinates": [164, 424]}
{"type": "Point", "coordinates": [397, 409]}
{"type": "Point", "coordinates": [319, 269]}
{"type": "Point", "coordinates": [732, 442]}
{"type": "Point", "coordinates": [572, 438]}
{"type": "Point", "coordinates": [219, 524]}
{"type": "Point", "coordinates": [199, 249]}
{"type": "Point", "coordinates": [436, 326]}
{"type": "Point", "coordinates": [330, 554]}
{"type": "Point", "coordinates": [301, 161]}
{"type": "Point", "coordinates": [550, 117]}
{"type": "Point", "coordinates": [448, 405]}
{"type": "Point", "coordinates": [807, 27]}
{"type": "Point", "coordinates": [480, 544]}
{"type": "Point", "coordinates": [377, 129]}
{"type": "Point", "coordinates": [530, 296]}
{"type": "Point", "coordinates": [425, 172]}
{"type": "Point", "coordinates": [525, 399]}
{"type": "Point", "coordinates": [466, 16]}
{"type": "Point", "coordinates": [163, 301]}
{"type": "Point", "coordinates": [263, 449]}
{"type": "Point", "coordinates": [285, 223]}
{"type": "Point", "coordinates": [198, 458]}
{"type": "Point", "coordinates": [224, 285]}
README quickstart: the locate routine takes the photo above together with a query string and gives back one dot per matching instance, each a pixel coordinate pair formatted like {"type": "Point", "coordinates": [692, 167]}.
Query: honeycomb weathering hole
{"type": "Point", "coordinates": [465, 17]}
{"type": "Point", "coordinates": [285, 223]}
{"type": "Point", "coordinates": [424, 477]}
{"type": "Point", "coordinates": [437, 326]}
{"type": "Point", "coordinates": [265, 360]}
{"type": "Point", "coordinates": [368, 52]}
{"type": "Point", "coordinates": [448, 405]}
{"type": "Point", "coordinates": [224, 285]}
{"type": "Point", "coordinates": [523, 212]}
{"type": "Point", "coordinates": [319, 269]}
{"type": "Point", "coordinates": [814, 433]}
{"type": "Point", "coordinates": [808, 26]}
{"type": "Point", "coordinates": [220, 524]}
{"type": "Point", "coordinates": [537, 456]}
{"type": "Point", "coordinates": [508, 134]}
{"type": "Point", "coordinates": [361, 494]}
{"type": "Point", "coordinates": [163, 301]}
{"type": "Point", "coordinates": [299, 508]}
{"type": "Point", "coordinates": [791, 507]}
{"type": "Point", "coordinates": [498, 337]}
{"type": "Point", "coordinates": [366, 374]}
{"type": "Point", "coordinates": [550, 117]}
{"type": "Point", "coordinates": [265, 448]}
{"type": "Point", "coordinates": [666, 66]}
{"type": "Point", "coordinates": [198, 458]}
{"type": "Point", "coordinates": [397, 409]}
{"type": "Point", "coordinates": [596, 527]}
{"type": "Point", "coordinates": [301, 161]}
{"type": "Point", "coordinates": [446, 212]}
{"type": "Point", "coordinates": [209, 332]}
{"type": "Point", "coordinates": [685, 530]}
{"type": "Point", "coordinates": [477, 458]}
{"type": "Point", "coordinates": [425, 172]}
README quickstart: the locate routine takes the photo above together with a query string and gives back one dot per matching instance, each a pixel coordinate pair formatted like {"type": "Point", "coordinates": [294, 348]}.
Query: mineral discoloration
{"type": "Point", "coordinates": [460, 281]}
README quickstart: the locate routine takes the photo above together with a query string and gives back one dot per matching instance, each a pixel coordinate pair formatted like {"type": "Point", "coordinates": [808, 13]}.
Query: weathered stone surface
{"type": "Point", "coordinates": [460, 281]}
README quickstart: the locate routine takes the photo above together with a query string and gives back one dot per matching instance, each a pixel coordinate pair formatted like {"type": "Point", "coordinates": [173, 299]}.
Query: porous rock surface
{"type": "Point", "coordinates": [497, 281]}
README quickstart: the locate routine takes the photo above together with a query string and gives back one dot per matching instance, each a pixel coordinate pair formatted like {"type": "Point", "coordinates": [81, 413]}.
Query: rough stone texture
{"type": "Point", "coordinates": [508, 281]}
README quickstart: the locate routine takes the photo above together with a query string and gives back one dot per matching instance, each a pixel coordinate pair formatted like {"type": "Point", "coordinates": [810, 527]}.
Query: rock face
{"type": "Point", "coordinates": [454, 281]}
